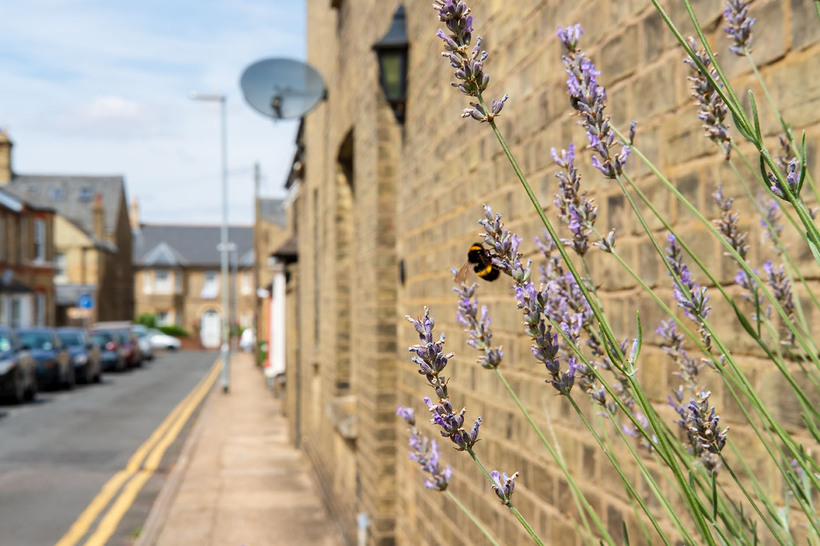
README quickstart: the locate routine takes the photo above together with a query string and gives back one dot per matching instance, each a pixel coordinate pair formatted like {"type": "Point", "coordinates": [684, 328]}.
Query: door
{"type": "Point", "coordinates": [210, 329]}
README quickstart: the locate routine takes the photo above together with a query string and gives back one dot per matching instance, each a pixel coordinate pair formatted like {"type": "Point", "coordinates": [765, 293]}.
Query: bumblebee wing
{"type": "Point", "coordinates": [461, 275]}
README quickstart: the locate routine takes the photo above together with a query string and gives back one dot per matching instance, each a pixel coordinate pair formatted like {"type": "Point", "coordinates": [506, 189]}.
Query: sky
{"type": "Point", "coordinates": [101, 87]}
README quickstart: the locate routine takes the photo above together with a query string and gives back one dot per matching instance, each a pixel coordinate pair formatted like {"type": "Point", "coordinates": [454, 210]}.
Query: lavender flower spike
{"type": "Point", "coordinates": [574, 208]}
{"type": "Point", "coordinates": [739, 26]}
{"type": "Point", "coordinates": [425, 452]}
{"type": "Point", "coordinates": [704, 426]}
{"type": "Point", "coordinates": [589, 99]}
{"type": "Point", "coordinates": [469, 66]}
{"type": "Point", "coordinates": [503, 485]}
{"type": "Point", "coordinates": [430, 356]}
{"type": "Point", "coordinates": [504, 245]}
{"type": "Point", "coordinates": [712, 108]}
{"type": "Point", "coordinates": [478, 328]}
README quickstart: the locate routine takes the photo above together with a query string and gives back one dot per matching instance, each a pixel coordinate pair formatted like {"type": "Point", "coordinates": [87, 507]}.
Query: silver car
{"type": "Point", "coordinates": [144, 341]}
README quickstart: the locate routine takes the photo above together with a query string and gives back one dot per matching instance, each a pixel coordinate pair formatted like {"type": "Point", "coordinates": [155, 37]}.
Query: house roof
{"type": "Point", "coordinates": [73, 196]}
{"type": "Point", "coordinates": [180, 245]}
{"type": "Point", "coordinates": [9, 201]}
{"type": "Point", "coordinates": [273, 210]}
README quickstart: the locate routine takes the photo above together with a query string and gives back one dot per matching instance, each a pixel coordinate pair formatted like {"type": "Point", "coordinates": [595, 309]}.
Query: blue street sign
{"type": "Point", "coordinates": [85, 301]}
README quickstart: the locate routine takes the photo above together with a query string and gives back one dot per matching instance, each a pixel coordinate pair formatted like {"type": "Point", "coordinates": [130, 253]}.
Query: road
{"type": "Point", "coordinates": [57, 453]}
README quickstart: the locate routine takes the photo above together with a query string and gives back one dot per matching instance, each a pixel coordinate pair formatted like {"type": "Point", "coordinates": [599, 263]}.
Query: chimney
{"type": "Point", "coordinates": [135, 214]}
{"type": "Point", "coordinates": [99, 218]}
{"type": "Point", "coordinates": [5, 158]}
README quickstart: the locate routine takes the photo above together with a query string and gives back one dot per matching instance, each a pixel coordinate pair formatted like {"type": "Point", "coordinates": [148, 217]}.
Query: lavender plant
{"type": "Point", "coordinates": [717, 500]}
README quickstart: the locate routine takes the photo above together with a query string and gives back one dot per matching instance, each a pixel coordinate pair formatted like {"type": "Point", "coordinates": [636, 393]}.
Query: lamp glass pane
{"type": "Point", "coordinates": [391, 73]}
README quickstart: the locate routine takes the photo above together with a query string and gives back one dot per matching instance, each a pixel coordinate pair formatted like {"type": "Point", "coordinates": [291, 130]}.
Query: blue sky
{"type": "Point", "coordinates": [102, 87]}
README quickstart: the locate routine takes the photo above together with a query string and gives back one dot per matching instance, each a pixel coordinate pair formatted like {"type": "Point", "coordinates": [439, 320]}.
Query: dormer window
{"type": "Point", "coordinates": [86, 194]}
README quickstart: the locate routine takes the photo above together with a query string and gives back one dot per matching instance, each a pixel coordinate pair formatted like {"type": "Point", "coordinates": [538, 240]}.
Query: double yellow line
{"type": "Point", "coordinates": [140, 467]}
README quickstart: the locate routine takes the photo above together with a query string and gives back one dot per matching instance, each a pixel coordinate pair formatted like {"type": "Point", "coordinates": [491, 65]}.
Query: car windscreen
{"type": "Point", "coordinates": [72, 339]}
{"type": "Point", "coordinates": [37, 340]}
{"type": "Point", "coordinates": [5, 342]}
{"type": "Point", "coordinates": [101, 338]}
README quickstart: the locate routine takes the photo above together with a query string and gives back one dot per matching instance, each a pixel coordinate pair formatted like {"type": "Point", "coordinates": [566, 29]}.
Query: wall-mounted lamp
{"type": "Point", "coordinates": [392, 53]}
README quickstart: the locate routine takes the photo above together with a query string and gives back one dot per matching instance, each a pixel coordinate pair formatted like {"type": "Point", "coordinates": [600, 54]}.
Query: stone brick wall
{"type": "Point", "coordinates": [377, 197]}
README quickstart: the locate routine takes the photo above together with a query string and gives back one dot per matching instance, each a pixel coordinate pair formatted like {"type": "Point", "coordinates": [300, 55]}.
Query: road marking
{"type": "Point", "coordinates": [140, 467]}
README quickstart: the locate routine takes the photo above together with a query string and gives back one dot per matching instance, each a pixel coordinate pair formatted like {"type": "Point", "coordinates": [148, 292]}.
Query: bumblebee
{"type": "Point", "coordinates": [482, 261]}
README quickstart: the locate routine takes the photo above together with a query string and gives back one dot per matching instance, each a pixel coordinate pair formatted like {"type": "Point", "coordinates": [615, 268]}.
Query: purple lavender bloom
{"type": "Point", "coordinates": [704, 427]}
{"type": "Point", "coordinates": [545, 341]}
{"type": "Point", "coordinates": [574, 208]}
{"type": "Point", "coordinates": [673, 345]}
{"type": "Point", "coordinates": [713, 110]}
{"type": "Point", "coordinates": [781, 286]}
{"type": "Point", "coordinates": [452, 424]}
{"type": "Point", "coordinates": [570, 36]}
{"type": "Point", "coordinates": [504, 244]}
{"type": "Point", "coordinates": [425, 452]}
{"type": "Point", "coordinates": [408, 414]}
{"type": "Point", "coordinates": [589, 99]}
{"type": "Point", "coordinates": [469, 66]}
{"type": "Point", "coordinates": [480, 335]}
{"type": "Point", "coordinates": [430, 356]}
{"type": "Point", "coordinates": [794, 181]}
{"type": "Point", "coordinates": [739, 26]}
{"type": "Point", "coordinates": [728, 224]}
{"type": "Point", "coordinates": [771, 223]}
{"type": "Point", "coordinates": [503, 485]}
{"type": "Point", "coordinates": [690, 297]}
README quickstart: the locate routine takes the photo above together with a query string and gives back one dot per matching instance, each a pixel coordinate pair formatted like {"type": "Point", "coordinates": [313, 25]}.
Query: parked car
{"type": "Point", "coordinates": [85, 355]}
{"type": "Point", "coordinates": [18, 372]}
{"type": "Point", "coordinates": [146, 349]}
{"type": "Point", "coordinates": [54, 368]}
{"type": "Point", "coordinates": [111, 356]}
{"type": "Point", "coordinates": [127, 340]}
{"type": "Point", "coordinates": [160, 340]}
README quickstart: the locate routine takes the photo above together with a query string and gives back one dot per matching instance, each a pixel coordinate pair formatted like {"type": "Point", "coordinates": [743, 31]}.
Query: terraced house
{"type": "Point", "coordinates": [91, 252]}
{"type": "Point", "coordinates": [26, 262]}
{"type": "Point", "coordinates": [177, 268]}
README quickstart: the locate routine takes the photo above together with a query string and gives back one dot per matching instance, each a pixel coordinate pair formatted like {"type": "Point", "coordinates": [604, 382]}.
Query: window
{"type": "Point", "coordinates": [162, 281]}
{"type": "Point", "coordinates": [86, 194]}
{"type": "Point", "coordinates": [16, 313]}
{"type": "Point", "coordinates": [147, 288]}
{"type": "Point", "coordinates": [39, 240]}
{"type": "Point", "coordinates": [178, 281]}
{"type": "Point", "coordinates": [210, 288]}
{"type": "Point", "coordinates": [60, 275]}
{"type": "Point", "coordinates": [23, 249]}
{"type": "Point", "coordinates": [58, 194]}
{"type": "Point", "coordinates": [163, 318]}
{"type": "Point", "coordinates": [40, 309]}
{"type": "Point", "coordinates": [246, 282]}
{"type": "Point", "coordinates": [4, 230]}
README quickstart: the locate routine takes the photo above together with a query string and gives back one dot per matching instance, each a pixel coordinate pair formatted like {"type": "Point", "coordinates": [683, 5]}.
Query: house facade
{"type": "Point", "coordinates": [384, 210]}
{"type": "Point", "coordinates": [92, 241]}
{"type": "Point", "coordinates": [178, 278]}
{"type": "Point", "coordinates": [27, 293]}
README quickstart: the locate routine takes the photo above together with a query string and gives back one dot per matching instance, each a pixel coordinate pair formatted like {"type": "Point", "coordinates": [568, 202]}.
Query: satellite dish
{"type": "Point", "coordinates": [282, 88]}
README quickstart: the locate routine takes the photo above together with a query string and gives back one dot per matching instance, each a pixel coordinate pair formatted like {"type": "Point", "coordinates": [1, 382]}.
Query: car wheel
{"type": "Point", "coordinates": [71, 380]}
{"type": "Point", "coordinates": [19, 388]}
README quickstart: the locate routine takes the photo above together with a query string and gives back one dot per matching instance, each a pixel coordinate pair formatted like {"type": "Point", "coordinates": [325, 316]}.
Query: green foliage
{"type": "Point", "coordinates": [149, 320]}
{"type": "Point", "coordinates": [174, 330]}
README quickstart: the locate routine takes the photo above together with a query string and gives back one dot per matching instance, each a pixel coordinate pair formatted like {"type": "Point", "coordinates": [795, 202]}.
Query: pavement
{"type": "Point", "coordinates": [239, 480]}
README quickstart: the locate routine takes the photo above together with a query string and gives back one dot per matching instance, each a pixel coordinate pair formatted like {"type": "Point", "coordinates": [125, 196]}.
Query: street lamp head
{"type": "Point", "coordinates": [196, 95]}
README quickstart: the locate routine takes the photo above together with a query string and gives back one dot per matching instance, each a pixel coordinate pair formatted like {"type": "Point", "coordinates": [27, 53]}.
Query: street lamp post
{"type": "Point", "coordinates": [223, 247]}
